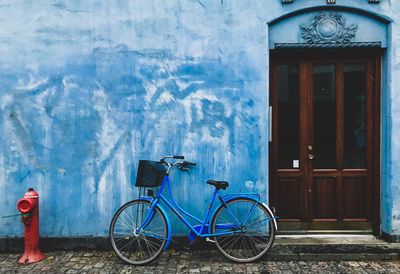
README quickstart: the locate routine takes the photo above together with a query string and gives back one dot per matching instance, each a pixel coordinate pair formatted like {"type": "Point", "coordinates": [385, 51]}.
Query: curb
{"type": "Point", "coordinates": [334, 252]}
{"type": "Point", "coordinates": [279, 252]}
{"type": "Point", "coordinates": [332, 257]}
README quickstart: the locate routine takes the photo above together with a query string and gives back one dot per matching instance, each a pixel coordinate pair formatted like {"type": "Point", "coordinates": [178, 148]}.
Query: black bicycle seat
{"type": "Point", "coordinates": [218, 184]}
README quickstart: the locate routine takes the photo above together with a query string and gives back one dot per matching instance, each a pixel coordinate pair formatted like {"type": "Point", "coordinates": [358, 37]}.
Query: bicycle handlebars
{"type": "Point", "coordinates": [172, 157]}
{"type": "Point", "coordinates": [181, 165]}
{"type": "Point", "coordinates": [189, 163]}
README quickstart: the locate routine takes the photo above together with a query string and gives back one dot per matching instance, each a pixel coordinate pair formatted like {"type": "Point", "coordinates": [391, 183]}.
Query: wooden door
{"type": "Point", "coordinates": [322, 149]}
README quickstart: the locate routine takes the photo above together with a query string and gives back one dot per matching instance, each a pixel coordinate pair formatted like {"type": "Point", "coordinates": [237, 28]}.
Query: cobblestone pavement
{"type": "Point", "coordinates": [185, 262]}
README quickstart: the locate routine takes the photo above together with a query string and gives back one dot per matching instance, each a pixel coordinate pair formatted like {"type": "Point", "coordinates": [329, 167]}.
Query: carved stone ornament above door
{"type": "Point", "coordinates": [328, 28]}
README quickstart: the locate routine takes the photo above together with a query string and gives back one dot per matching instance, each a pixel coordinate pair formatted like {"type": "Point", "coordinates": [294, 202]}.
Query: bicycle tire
{"type": "Point", "coordinates": [247, 244]}
{"type": "Point", "coordinates": [138, 248]}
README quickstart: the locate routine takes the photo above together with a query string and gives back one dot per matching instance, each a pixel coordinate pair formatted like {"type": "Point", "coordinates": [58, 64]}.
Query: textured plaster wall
{"type": "Point", "coordinates": [90, 87]}
{"type": "Point", "coordinates": [391, 136]}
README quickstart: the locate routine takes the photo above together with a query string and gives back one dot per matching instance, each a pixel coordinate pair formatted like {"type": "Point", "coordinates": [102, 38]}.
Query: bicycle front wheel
{"type": "Point", "coordinates": [248, 227]}
{"type": "Point", "coordinates": [133, 243]}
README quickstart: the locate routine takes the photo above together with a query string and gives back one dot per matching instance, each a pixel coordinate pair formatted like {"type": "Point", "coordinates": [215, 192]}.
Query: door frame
{"type": "Point", "coordinates": [375, 56]}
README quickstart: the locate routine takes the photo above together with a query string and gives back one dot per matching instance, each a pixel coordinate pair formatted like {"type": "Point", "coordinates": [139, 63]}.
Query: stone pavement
{"type": "Point", "coordinates": [290, 254]}
{"type": "Point", "coordinates": [202, 261]}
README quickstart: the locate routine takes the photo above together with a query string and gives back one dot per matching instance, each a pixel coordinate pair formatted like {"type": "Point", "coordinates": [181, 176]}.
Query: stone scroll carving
{"type": "Point", "coordinates": [328, 27]}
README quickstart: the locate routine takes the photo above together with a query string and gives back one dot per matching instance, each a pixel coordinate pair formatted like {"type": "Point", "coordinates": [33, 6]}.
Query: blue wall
{"type": "Point", "coordinates": [88, 89]}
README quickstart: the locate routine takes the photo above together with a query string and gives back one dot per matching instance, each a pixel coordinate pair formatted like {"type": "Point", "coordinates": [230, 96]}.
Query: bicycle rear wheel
{"type": "Point", "coordinates": [133, 245]}
{"type": "Point", "coordinates": [250, 226]}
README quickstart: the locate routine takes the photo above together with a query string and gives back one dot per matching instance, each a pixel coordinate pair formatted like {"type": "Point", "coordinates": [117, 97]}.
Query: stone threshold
{"type": "Point", "coordinates": [335, 247]}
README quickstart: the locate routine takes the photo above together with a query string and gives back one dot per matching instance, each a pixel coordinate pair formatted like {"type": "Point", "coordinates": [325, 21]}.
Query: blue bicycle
{"type": "Point", "coordinates": [242, 226]}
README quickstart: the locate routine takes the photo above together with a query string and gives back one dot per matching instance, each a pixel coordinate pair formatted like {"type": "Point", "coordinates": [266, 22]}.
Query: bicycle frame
{"type": "Point", "coordinates": [204, 230]}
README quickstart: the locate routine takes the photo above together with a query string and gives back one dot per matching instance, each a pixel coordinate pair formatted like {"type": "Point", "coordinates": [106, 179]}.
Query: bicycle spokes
{"type": "Point", "coordinates": [133, 240]}
{"type": "Point", "coordinates": [248, 230]}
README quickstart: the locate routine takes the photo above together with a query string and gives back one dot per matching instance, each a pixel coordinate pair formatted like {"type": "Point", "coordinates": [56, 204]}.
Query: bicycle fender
{"type": "Point", "coordinates": [270, 212]}
{"type": "Point", "coordinates": [149, 199]}
{"type": "Point", "coordinates": [253, 196]}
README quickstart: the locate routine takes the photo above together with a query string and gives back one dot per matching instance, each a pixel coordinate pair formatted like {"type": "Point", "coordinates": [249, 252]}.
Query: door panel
{"type": "Point", "coordinates": [322, 161]}
{"type": "Point", "coordinates": [354, 116]}
{"type": "Point", "coordinates": [324, 198]}
{"type": "Point", "coordinates": [289, 198]}
{"type": "Point", "coordinates": [324, 116]}
{"type": "Point", "coordinates": [355, 198]}
{"type": "Point", "coordinates": [288, 115]}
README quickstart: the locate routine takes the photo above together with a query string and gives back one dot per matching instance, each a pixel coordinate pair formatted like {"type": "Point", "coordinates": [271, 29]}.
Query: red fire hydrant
{"type": "Point", "coordinates": [29, 207]}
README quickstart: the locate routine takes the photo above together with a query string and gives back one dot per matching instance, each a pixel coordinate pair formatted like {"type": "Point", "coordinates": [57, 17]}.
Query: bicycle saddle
{"type": "Point", "coordinates": [218, 184]}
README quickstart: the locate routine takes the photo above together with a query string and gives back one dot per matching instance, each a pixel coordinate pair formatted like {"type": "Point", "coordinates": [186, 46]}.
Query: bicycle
{"type": "Point", "coordinates": [242, 227]}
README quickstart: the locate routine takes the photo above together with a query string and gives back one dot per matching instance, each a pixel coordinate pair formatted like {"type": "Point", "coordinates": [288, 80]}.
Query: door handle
{"type": "Point", "coordinates": [311, 156]}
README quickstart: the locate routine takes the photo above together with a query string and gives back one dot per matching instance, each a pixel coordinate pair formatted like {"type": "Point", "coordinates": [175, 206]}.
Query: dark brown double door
{"type": "Point", "coordinates": [323, 145]}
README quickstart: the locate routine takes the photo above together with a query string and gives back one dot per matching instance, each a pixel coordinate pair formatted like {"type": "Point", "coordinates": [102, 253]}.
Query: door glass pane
{"type": "Point", "coordinates": [324, 103]}
{"type": "Point", "coordinates": [354, 116]}
{"type": "Point", "coordinates": [288, 116]}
